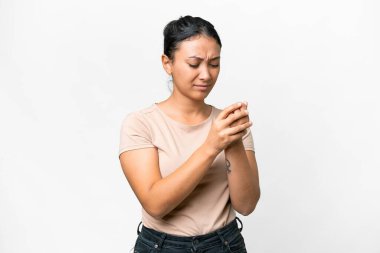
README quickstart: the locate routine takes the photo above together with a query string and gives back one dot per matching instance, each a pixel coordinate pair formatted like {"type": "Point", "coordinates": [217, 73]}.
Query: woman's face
{"type": "Point", "coordinates": [196, 67]}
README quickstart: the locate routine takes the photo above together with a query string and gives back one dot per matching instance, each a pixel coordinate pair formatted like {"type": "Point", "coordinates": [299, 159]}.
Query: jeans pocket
{"type": "Point", "coordinates": [237, 245]}
{"type": "Point", "coordinates": [141, 246]}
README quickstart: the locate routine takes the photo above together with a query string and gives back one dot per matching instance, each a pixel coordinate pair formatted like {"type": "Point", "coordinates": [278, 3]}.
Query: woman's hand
{"type": "Point", "coordinates": [229, 126]}
{"type": "Point", "coordinates": [241, 120]}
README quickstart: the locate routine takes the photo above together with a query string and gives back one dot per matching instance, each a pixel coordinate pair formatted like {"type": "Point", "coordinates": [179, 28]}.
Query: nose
{"type": "Point", "coordinates": [204, 73]}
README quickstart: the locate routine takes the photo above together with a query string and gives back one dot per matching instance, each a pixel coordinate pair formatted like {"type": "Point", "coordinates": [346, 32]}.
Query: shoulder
{"type": "Point", "coordinates": [139, 122]}
{"type": "Point", "coordinates": [141, 114]}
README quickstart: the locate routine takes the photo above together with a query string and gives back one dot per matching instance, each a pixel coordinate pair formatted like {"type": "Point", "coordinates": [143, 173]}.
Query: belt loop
{"type": "Point", "coordinates": [161, 241]}
{"type": "Point", "coordinates": [241, 223]}
{"type": "Point", "coordinates": [138, 231]}
{"type": "Point", "coordinates": [224, 242]}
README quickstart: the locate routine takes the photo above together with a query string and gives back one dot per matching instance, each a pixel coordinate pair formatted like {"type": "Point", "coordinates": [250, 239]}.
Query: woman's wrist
{"type": "Point", "coordinates": [209, 151]}
{"type": "Point", "coordinates": [236, 145]}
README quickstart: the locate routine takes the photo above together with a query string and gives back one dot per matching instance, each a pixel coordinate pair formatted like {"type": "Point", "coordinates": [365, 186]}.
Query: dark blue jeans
{"type": "Point", "coordinates": [227, 239]}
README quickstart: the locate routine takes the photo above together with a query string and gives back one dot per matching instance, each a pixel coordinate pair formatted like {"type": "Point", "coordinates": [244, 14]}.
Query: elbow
{"type": "Point", "coordinates": [250, 206]}
{"type": "Point", "coordinates": [155, 214]}
{"type": "Point", "coordinates": [247, 211]}
{"type": "Point", "coordinates": [157, 211]}
{"type": "Point", "coordinates": [155, 206]}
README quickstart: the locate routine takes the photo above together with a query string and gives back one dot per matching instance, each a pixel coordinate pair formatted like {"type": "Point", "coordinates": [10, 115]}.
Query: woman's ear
{"type": "Point", "coordinates": [167, 64]}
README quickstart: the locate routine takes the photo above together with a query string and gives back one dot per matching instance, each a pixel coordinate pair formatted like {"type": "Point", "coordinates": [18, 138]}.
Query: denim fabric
{"type": "Point", "coordinates": [227, 239]}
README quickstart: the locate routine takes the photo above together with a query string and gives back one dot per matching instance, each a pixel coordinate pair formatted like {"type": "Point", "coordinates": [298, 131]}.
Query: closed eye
{"type": "Point", "coordinates": [212, 65]}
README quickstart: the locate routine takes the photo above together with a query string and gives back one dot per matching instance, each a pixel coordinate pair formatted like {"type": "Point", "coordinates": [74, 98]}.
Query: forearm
{"type": "Point", "coordinates": [243, 180]}
{"type": "Point", "coordinates": [170, 191]}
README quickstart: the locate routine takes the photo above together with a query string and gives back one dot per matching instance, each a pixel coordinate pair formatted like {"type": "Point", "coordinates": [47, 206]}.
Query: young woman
{"type": "Point", "coordinates": [191, 165]}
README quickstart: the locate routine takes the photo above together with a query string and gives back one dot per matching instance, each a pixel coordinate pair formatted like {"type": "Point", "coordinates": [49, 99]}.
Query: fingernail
{"type": "Point", "coordinates": [246, 102]}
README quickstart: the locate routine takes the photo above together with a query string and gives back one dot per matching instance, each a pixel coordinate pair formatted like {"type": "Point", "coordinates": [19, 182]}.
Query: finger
{"type": "Point", "coordinates": [238, 136]}
{"type": "Point", "coordinates": [239, 121]}
{"type": "Point", "coordinates": [238, 128]}
{"type": "Point", "coordinates": [244, 106]}
{"type": "Point", "coordinates": [236, 116]}
{"type": "Point", "coordinates": [223, 114]}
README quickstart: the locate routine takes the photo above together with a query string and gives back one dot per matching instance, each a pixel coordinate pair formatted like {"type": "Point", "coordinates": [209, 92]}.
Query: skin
{"type": "Point", "coordinates": [159, 195]}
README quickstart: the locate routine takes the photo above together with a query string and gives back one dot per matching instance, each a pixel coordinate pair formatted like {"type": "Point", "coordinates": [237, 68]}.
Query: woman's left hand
{"type": "Point", "coordinates": [243, 120]}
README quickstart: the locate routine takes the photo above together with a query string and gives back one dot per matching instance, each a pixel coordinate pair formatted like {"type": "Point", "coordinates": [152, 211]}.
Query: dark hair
{"type": "Point", "coordinates": [185, 27]}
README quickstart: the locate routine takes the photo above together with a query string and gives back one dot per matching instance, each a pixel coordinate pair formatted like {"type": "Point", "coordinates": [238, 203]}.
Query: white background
{"type": "Point", "coordinates": [71, 70]}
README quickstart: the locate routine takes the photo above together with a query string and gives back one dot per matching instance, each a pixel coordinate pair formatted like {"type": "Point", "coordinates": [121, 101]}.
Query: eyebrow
{"type": "Point", "coordinates": [200, 58]}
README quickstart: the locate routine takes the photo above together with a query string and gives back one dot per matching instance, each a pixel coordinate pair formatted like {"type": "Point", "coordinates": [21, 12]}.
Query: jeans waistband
{"type": "Point", "coordinates": [159, 239]}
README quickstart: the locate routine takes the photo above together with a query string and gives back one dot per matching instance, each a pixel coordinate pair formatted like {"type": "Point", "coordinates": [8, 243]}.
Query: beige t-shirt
{"type": "Point", "coordinates": [208, 207]}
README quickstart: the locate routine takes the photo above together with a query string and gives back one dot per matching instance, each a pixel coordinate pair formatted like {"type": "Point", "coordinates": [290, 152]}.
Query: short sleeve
{"type": "Point", "coordinates": [248, 140]}
{"type": "Point", "coordinates": [134, 133]}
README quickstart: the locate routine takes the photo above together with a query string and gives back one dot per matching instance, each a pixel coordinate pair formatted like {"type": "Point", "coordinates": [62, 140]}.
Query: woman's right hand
{"type": "Point", "coordinates": [222, 134]}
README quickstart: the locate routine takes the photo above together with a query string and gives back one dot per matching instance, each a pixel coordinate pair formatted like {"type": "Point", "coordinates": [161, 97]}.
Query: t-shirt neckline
{"type": "Point", "coordinates": [183, 125]}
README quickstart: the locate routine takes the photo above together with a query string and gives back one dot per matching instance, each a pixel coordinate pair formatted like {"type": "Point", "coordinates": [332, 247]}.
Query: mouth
{"type": "Point", "coordinates": [201, 87]}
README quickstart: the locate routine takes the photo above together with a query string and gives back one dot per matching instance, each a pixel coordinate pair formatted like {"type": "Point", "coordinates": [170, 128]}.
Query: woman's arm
{"type": "Point", "coordinates": [159, 195]}
{"type": "Point", "coordinates": [243, 178]}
